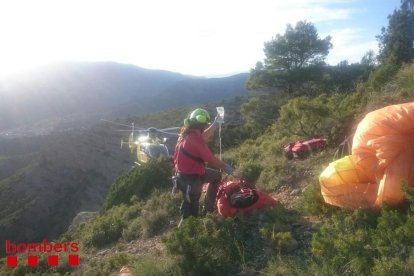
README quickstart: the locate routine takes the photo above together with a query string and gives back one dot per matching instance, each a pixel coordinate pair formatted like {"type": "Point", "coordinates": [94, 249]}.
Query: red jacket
{"type": "Point", "coordinates": [191, 153]}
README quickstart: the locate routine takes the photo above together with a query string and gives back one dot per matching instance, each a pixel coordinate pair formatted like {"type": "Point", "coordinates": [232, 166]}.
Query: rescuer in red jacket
{"type": "Point", "coordinates": [190, 158]}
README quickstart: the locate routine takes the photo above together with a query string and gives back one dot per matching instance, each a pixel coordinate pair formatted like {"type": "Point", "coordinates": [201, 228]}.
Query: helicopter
{"type": "Point", "coordinates": [147, 144]}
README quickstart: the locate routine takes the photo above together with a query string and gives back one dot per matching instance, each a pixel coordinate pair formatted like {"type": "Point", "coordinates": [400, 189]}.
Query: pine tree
{"type": "Point", "coordinates": [292, 60]}
{"type": "Point", "coordinates": [397, 39]}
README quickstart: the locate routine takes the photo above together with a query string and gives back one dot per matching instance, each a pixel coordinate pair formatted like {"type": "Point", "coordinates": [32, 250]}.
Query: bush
{"type": "Point", "coordinates": [249, 171]}
{"type": "Point", "coordinates": [341, 245]}
{"type": "Point", "coordinates": [106, 229]}
{"type": "Point", "coordinates": [133, 230]}
{"type": "Point", "coordinates": [365, 243]}
{"type": "Point", "coordinates": [139, 183]}
{"type": "Point", "coordinates": [160, 213]}
{"type": "Point", "coordinates": [312, 201]}
{"type": "Point", "coordinates": [286, 266]}
{"type": "Point", "coordinates": [391, 266]}
{"type": "Point", "coordinates": [217, 246]}
{"type": "Point", "coordinates": [206, 247]}
{"type": "Point", "coordinates": [384, 73]}
{"type": "Point", "coordinates": [108, 266]}
{"type": "Point", "coordinates": [154, 266]}
{"type": "Point", "coordinates": [405, 78]}
{"type": "Point", "coordinates": [143, 219]}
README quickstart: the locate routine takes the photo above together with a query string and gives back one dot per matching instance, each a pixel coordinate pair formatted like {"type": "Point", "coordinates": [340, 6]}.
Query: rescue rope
{"type": "Point", "coordinates": [220, 139]}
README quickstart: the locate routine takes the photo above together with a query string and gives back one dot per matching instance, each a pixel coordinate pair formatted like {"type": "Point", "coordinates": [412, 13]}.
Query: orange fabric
{"type": "Point", "coordinates": [383, 150]}
{"type": "Point", "coordinates": [345, 185]}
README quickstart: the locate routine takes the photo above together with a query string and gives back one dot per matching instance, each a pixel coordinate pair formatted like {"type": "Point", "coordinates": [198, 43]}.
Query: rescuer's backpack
{"type": "Point", "coordinates": [242, 197]}
{"type": "Point", "coordinates": [239, 196]}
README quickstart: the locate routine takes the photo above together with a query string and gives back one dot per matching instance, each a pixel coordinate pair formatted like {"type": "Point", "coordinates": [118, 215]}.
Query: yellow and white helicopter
{"type": "Point", "coordinates": [148, 144]}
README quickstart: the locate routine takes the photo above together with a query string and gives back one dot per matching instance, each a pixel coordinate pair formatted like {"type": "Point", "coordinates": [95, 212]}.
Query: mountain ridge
{"type": "Point", "coordinates": [103, 89]}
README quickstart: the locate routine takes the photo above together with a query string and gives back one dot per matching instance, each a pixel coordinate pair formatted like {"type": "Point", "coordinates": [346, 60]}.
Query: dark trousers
{"type": "Point", "coordinates": [191, 187]}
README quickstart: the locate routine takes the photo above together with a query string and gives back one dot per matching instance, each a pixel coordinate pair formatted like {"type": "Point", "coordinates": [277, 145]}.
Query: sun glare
{"type": "Point", "coordinates": [171, 38]}
{"type": "Point", "coordinates": [10, 67]}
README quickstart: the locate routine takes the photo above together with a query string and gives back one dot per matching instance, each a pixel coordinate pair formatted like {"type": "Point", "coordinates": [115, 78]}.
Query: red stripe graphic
{"type": "Point", "coordinates": [11, 261]}
{"type": "Point", "coordinates": [33, 260]}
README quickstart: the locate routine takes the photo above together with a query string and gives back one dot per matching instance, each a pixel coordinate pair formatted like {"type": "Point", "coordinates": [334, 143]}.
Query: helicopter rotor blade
{"type": "Point", "coordinates": [135, 130]}
{"type": "Point", "coordinates": [153, 129]}
{"type": "Point", "coordinates": [131, 126]}
{"type": "Point", "coordinates": [168, 133]}
{"type": "Point", "coordinates": [169, 128]}
{"type": "Point", "coordinates": [116, 123]}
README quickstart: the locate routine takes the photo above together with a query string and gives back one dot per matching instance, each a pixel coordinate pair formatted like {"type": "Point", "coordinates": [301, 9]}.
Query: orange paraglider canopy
{"type": "Point", "coordinates": [382, 161]}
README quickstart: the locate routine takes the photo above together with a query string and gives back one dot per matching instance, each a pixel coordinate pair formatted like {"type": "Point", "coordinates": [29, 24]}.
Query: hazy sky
{"type": "Point", "coordinates": [197, 37]}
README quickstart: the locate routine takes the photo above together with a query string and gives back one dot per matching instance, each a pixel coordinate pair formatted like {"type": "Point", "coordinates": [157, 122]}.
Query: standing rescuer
{"type": "Point", "coordinates": [190, 158]}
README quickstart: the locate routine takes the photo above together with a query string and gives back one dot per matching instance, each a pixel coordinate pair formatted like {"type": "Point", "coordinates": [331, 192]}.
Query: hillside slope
{"type": "Point", "coordinates": [42, 189]}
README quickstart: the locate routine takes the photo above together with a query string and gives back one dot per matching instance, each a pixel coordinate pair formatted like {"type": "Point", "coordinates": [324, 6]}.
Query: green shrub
{"type": "Point", "coordinates": [286, 266]}
{"type": "Point", "coordinates": [284, 242]}
{"type": "Point", "coordinates": [134, 210]}
{"type": "Point", "coordinates": [217, 246]}
{"type": "Point", "coordinates": [108, 266]}
{"type": "Point", "coordinates": [149, 265]}
{"type": "Point", "coordinates": [105, 229]}
{"type": "Point", "coordinates": [140, 182]}
{"type": "Point", "coordinates": [384, 73]}
{"type": "Point", "coordinates": [154, 222]}
{"type": "Point", "coordinates": [342, 245]}
{"type": "Point", "coordinates": [249, 171]}
{"type": "Point", "coordinates": [394, 234]}
{"type": "Point", "coordinates": [365, 243]}
{"type": "Point", "coordinates": [160, 213]}
{"type": "Point", "coordinates": [142, 219]}
{"type": "Point", "coordinates": [153, 218]}
{"type": "Point", "coordinates": [391, 266]}
{"type": "Point", "coordinates": [206, 247]}
{"type": "Point", "coordinates": [405, 78]}
{"type": "Point", "coordinates": [312, 202]}
{"type": "Point", "coordinates": [133, 230]}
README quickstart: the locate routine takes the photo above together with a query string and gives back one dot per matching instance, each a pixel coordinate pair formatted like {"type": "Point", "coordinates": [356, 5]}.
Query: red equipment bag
{"type": "Point", "coordinates": [302, 149]}
{"type": "Point", "coordinates": [238, 196]}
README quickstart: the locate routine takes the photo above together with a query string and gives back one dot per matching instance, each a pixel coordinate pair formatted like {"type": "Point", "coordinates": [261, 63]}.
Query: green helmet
{"type": "Point", "coordinates": [199, 116]}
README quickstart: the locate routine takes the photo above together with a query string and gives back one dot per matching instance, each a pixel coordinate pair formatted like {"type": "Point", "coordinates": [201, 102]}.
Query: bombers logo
{"type": "Point", "coordinates": [34, 249]}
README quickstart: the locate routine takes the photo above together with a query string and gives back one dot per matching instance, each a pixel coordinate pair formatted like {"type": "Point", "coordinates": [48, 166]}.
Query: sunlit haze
{"type": "Point", "coordinates": [214, 37]}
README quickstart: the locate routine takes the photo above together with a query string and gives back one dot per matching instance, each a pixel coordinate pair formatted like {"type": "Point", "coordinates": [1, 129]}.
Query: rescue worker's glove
{"type": "Point", "coordinates": [228, 169]}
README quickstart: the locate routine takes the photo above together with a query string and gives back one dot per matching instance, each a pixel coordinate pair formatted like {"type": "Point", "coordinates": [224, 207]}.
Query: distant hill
{"type": "Point", "coordinates": [196, 91]}
{"type": "Point", "coordinates": [81, 92]}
